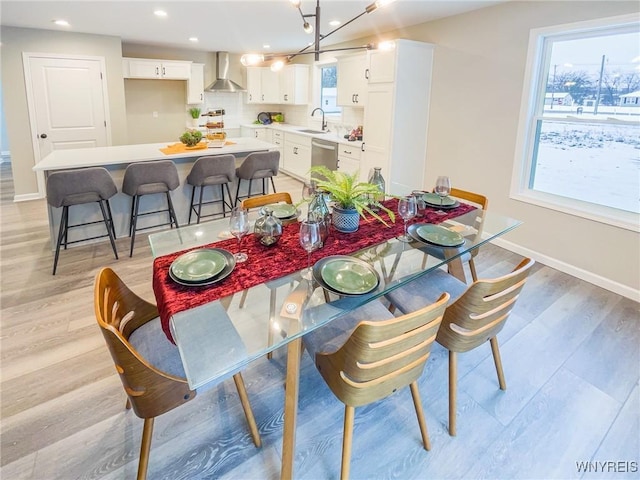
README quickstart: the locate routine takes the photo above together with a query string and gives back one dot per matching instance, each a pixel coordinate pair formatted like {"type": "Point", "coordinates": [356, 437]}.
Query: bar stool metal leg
{"type": "Point", "coordinates": [200, 204]}
{"type": "Point", "coordinates": [191, 207]}
{"type": "Point", "coordinates": [172, 213]}
{"type": "Point", "coordinates": [61, 234]}
{"type": "Point", "coordinates": [134, 221]}
{"type": "Point", "coordinates": [109, 230]}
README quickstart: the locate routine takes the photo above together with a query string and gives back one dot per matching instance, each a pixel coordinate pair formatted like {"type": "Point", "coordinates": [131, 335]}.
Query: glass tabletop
{"type": "Point", "coordinates": [219, 338]}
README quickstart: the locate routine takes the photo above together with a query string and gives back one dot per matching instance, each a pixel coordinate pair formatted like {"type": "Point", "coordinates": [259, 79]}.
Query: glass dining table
{"type": "Point", "coordinates": [218, 337]}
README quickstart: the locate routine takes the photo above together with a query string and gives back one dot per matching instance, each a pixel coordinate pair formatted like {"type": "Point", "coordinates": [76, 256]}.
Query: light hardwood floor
{"type": "Point", "coordinates": [570, 353]}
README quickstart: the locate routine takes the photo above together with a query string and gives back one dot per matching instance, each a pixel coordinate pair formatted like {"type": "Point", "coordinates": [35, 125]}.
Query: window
{"type": "Point", "coordinates": [579, 133]}
{"type": "Point", "coordinates": [328, 89]}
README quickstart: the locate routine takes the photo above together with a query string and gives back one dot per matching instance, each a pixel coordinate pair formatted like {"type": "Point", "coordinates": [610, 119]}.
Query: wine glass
{"type": "Point", "coordinates": [407, 210]}
{"type": "Point", "coordinates": [309, 240]}
{"type": "Point", "coordinates": [239, 227]}
{"type": "Point", "coordinates": [442, 189]}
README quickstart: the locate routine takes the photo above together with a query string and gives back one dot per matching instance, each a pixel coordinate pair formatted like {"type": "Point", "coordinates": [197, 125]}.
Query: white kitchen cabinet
{"type": "Point", "coordinates": [254, 132]}
{"type": "Point", "coordinates": [156, 69]}
{"type": "Point", "coordinates": [352, 83]}
{"type": "Point", "coordinates": [195, 84]}
{"type": "Point", "coordinates": [396, 116]}
{"type": "Point", "coordinates": [297, 155]}
{"type": "Point", "coordinates": [277, 137]}
{"type": "Point", "coordinates": [381, 66]}
{"type": "Point", "coordinates": [294, 85]}
{"type": "Point", "coordinates": [263, 85]}
{"type": "Point", "coordinates": [348, 158]}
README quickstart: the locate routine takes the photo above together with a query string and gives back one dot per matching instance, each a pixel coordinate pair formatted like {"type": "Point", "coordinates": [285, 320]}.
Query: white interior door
{"type": "Point", "coordinates": [67, 103]}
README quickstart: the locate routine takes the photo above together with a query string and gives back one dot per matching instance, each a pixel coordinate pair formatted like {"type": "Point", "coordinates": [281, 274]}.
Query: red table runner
{"type": "Point", "coordinates": [268, 263]}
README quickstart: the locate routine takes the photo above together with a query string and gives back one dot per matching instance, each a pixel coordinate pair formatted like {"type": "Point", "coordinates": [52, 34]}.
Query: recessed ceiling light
{"type": "Point", "coordinates": [335, 23]}
{"type": "Point", "coordinates": [266, 45]}
{"type": "Point", "coordinates": [160, 13]}
{"type": "Point", "coordinates": [193, 39]}
{"type": "Point", "coordinates": [61, 23]}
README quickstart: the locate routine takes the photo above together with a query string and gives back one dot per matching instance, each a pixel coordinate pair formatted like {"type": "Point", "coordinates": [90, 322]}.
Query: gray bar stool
{"type": "Point", "coordinates": [147, 178]}
{"type": "Point", "coordinates": [77, 187]}
{"type": "Point", "coordinates": [211, 171]}
{"type": "Point", "coordinates": [258, 165]}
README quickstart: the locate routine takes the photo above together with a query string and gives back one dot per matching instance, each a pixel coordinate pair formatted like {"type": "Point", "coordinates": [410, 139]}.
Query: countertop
{"type": "Point", "coordinates": [330, 136]}
{"type": "Point", "coordinates": [122, 154]}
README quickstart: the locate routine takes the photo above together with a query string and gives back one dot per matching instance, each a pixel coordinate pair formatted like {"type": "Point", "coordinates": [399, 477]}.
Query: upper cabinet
{"type": "Point", "coordinates": [263, 85]}
{"type": "Point", "coordinates": [381, 66]}
{"type": "Point", "coordinates": [352, 81]}
{"type": "Point", "coordinates": [156, 69]}
{"type": "Point", "coordinates": [294, 85]}
{"type": "Point", "coordinates": [289, 86]}
{"type": "Point", "coordinates": [195, 84]}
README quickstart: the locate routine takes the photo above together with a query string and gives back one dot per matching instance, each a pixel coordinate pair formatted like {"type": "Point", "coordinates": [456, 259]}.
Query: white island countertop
{"type": "Point", "coordinates": [123, 154]}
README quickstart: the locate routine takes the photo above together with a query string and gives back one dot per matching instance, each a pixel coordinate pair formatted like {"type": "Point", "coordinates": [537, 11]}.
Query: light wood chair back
{"type": "Point", "coordinates": [378, 358]}
{"type": "Point", "coordinates": [481, 312]}
{"type": "Point", "coordinates": [477, 316]}
{"type": "Point", "coordinates": [119, 312]}
{"type": "Point", "coordinates": [150, 391]}
{"type": "Point", "coordinates": [262, 200]}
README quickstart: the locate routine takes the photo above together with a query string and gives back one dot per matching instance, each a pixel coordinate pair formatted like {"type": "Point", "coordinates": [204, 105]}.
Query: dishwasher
{"type": "Point", "coordinates": [324, 153]}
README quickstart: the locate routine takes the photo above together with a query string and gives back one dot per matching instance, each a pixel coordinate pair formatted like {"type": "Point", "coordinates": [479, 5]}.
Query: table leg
{"type": "Point", "coordinates": [455, 267]}
{"type": "Point", "coordinates": [292, 385]}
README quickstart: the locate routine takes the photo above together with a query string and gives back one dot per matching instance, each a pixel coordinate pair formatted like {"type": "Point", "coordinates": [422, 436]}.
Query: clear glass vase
{"type": "Point", "coordinates": [377, 179]}
{"type": "Point", "coordinates": [268, 229]}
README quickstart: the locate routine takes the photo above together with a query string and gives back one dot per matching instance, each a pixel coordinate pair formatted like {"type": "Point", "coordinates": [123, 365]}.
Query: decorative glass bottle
{"type": "Point", "coordinates": [268, 229]}
{"type": "Point", "coordinates": [319, 211]}
{"type": "Point", "coordinates": [377, 179]}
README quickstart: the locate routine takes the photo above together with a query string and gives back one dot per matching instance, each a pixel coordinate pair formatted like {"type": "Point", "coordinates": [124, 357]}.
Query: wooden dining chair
{"type": "Point", "coordinates": [480, 201]}
{"type": "Point", "coordinates": [476, 316]}
{"type": "Point", "coordinates": [148, 364]}
{"type": "Point", "coordinates": [364, 360]}
{"type": "Point", "coordinates": [256, 202]}
{"type": "Point", "coordinates": [262, 200]}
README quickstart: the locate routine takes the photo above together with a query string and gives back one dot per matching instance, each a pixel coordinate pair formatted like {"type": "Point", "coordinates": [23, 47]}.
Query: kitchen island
{"type": "Point", "coordinates": [115, 159]}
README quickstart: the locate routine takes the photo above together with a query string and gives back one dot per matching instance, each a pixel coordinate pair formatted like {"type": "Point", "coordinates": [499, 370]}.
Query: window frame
{"type": "Point", "coordinates": [532, 110]}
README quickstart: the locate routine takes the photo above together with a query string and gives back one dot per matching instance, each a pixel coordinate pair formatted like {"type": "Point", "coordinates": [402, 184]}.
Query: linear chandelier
{"type": "Point", "coordinates": [279, 59]}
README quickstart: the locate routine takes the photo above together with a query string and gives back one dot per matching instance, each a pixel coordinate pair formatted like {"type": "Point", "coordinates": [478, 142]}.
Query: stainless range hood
{"type": "Point", "coordinates": [222, 83]}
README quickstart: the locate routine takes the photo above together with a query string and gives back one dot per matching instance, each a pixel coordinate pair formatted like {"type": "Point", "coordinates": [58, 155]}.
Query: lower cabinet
{"type": "Point", "coordinates": [297, 155]}
{"type": "Point", "coordinates": [259, 132]}
{"type": "Point", "coordinates": [348, 158]}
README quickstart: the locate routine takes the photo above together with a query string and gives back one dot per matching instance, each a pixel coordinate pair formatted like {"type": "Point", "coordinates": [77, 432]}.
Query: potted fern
{"type": "Point", "coordinates": [352, 198]}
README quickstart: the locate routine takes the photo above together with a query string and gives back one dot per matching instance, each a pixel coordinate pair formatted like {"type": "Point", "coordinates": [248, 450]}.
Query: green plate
{"type": "Point", "coordinates": [349, 275]}
{"type": "Point", "coordinates": [198, 265]}
{"type": "Point", "coordinates": [440, 236]}
{"type": "Point", "coordinates": [281, 210]}
{"type": "Point", "coordinates": [434, 200]}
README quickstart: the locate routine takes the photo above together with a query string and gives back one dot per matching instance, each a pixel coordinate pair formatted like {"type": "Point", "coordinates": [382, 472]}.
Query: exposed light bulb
{"type": "Point", "coordinates": [249, 59]}
{"type": "Point", "coordinates": [377, 4]}
{"type": "Point", "coordinates": [308, 28]}
{"type": "Point", "coordinates": [277, 66]}
{"type": "Point", "coordinates": [295, 3]}
{"type": "Point", "coordinates": [388, 45]}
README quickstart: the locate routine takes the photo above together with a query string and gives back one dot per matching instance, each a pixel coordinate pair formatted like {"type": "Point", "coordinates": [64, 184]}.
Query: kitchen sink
{"type": "Point", "coordinates": [311, 131]}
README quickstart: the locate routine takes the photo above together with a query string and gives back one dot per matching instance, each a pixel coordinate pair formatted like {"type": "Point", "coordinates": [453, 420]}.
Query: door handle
{"type": "Point", "coordinates": [366, 73]}
{"type": "Point", "coordinates": [362, 147]}
{"type": "Point", "coordinates": [43, 135]}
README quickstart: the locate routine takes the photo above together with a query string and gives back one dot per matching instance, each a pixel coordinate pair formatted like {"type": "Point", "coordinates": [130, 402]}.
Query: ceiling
{"type": "Point", "coordinates": [235, 26]}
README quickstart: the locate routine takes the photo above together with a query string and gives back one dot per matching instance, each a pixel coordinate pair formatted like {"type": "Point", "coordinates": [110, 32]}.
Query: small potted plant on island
{"type": "Point", "coordinates": [352, 199]}
{"type": "Point", "coordinates": [195, 116]}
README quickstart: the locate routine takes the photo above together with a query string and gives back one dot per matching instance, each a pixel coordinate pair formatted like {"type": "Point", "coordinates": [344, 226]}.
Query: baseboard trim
{"type": "Point", "coordinates": [27, 197]}
{"type": "Point", "coordinates": [585, 275]}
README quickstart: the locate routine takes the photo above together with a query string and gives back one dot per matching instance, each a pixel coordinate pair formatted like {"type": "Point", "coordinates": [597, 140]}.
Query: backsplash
{"type": "Point", "coordinates": [238, 112]}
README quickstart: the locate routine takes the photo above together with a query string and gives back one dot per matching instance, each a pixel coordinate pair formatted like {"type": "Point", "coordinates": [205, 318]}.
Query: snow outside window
{"type": "Point", "coordinates": [578, 148]}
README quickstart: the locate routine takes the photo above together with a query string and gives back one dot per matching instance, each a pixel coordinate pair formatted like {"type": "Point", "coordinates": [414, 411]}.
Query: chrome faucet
{"type": "Point", "coordinates": [324, 124]}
